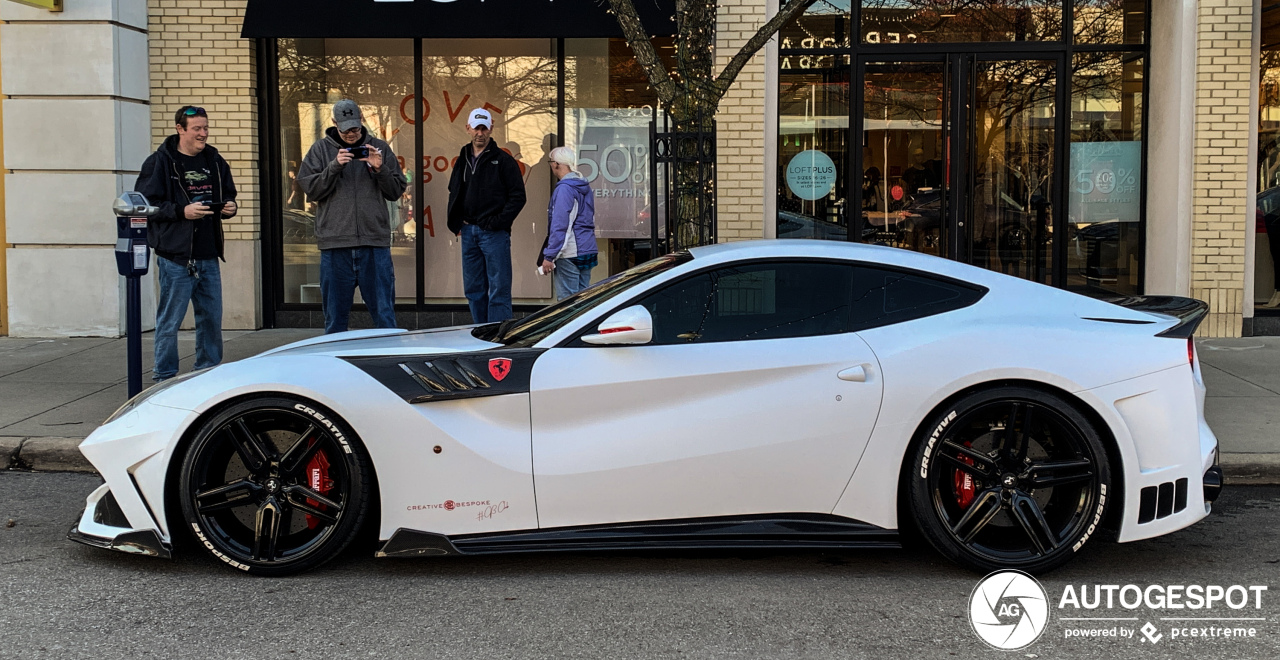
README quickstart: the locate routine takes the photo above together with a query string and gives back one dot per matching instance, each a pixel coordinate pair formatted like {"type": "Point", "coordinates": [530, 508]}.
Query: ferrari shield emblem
{"type": "Point", "coordinates": [500, 367]}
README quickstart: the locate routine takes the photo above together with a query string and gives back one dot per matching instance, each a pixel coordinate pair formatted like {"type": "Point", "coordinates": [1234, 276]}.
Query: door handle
{"type": "Point", "coordinates": [853, 374]}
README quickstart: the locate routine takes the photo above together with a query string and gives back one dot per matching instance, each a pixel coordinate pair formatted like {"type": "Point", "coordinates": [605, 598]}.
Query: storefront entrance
{"type": "Point", "coordinates": [959, 155]}
{"type": "Point", "coordinates": [1007, 134]}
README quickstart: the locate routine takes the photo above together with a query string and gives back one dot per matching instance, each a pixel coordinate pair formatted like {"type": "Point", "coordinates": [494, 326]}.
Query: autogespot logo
{"type": "Point", "coordinates": [1008, 610]}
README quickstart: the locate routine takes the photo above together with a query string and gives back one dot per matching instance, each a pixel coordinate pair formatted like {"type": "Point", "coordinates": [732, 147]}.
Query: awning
{"type": "Point", "coordinates": [447, 19]}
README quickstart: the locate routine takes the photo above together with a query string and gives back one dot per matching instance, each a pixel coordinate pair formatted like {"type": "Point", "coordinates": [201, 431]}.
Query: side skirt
{"type": "Point", "coordinates": [773, 531]}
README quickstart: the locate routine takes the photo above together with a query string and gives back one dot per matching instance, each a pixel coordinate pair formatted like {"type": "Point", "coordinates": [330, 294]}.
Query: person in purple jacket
{"type": "Point", "coordinates": [570, 251]}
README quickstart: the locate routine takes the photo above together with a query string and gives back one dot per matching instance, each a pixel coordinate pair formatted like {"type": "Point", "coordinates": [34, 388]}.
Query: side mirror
{"type": "Point", "coordinates": [629, 326]}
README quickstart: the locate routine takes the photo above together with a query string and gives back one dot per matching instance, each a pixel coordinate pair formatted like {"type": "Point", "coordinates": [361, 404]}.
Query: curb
{"type": "Point", "coordinates": [44, 454]}
{"type": "Point", "coordinates": [1250, 469]}
{"type": "Point", "coordinates": [63, 455]}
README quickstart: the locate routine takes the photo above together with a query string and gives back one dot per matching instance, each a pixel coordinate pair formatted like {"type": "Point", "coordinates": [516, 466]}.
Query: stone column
{"type": "Point", "coordinates": [75, 134]}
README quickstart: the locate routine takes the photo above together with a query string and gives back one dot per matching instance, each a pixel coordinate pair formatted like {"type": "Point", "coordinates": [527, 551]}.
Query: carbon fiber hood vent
{"type": "Point", "coordinates": [439, 377]}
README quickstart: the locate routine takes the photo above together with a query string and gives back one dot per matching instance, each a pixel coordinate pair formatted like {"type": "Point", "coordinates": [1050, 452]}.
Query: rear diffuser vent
{"type": "Point", "coordinates": [1162, 501]}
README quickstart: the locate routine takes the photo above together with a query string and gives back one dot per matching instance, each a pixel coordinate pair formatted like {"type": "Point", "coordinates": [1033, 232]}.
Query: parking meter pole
{"type": "Point", "coordinates": [133, 257]}
{"type": "Point", "coordinates": [133, 326]}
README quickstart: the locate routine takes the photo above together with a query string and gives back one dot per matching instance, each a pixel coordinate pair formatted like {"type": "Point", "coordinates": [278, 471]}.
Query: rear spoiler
{"type": "Point", "coordinates": [1189, 312]}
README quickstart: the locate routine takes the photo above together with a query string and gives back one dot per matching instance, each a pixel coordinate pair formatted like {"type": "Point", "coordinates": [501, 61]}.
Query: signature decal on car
{"type": "Point", "coordinates": [499, 368]}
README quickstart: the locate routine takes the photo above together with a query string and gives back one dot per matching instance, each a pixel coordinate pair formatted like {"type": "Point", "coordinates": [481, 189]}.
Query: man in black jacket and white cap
{"type": "Point", "coordinates": [351, 175]}
{"type": "Point", "coordinates": [191, 186]}
{"type": "Point", "coordinates": [486, 193]}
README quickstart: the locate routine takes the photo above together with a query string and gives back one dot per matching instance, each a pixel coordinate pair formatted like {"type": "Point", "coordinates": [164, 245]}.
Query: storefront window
{"type": "Point", "coordinates": [315, 74]}
{"type": "Point", "coordinates": [939, 21]}
{"type": "Point", "coordinates": [1266, 254]}
{"type": "Point", "coordinates": [515, 79]}
{"type": "Point", "coordinates": [824, 24]}
{"type": "Point", "coordinates": [1109, 21]}
{"type": "Point", "coordinates": [609, 106]}
{"type": "Point", "coordinates": [1104, 199]}
{"type": "Point", "coordinates": [813, 152]}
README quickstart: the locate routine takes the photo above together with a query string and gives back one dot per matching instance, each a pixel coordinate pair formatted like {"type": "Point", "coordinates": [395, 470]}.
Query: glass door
{"type": "Point", "coordinates": [958, 158]}
{"type": "Point", "coordinates": [1011, 163]}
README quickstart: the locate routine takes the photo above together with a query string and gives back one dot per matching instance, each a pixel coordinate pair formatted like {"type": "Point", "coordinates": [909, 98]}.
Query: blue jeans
{"type": "Point", "coordinates": [486, 273]}
{"type": "Point", "coordinates": [569, 279]}
{"type": "Point", "coordinates": [177, 288]}
{"type": "Point", "coordinates": [342, 270]}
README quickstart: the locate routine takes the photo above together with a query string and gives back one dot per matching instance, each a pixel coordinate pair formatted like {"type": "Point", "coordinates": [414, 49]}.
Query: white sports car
{"type": "Point", "coordinates": [772, 394]}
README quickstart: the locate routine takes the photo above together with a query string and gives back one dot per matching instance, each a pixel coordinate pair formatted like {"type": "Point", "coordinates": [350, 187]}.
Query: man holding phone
{"type": "Point", "coordinates": [190, 184]}
{"type": "Point", "coordinates": [351, 175]}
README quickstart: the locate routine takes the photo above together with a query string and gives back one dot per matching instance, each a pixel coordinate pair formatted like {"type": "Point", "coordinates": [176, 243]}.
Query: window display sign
{"type": "Point", "coordinates": [613, 155]}
{"type": "Point", "coordinates": [811, 175]}
{"type": "Point", "coordinates": [1106, 182]}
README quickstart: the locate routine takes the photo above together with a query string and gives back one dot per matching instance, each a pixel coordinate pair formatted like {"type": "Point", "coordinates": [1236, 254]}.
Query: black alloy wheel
{"type": "Point", "coordinates": [1010, 478]}
{"type": "Point", "coordinates": [275, 486]}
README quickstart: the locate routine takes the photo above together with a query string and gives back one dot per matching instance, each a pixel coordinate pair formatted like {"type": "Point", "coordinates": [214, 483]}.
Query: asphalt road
{"type": "Point", "coordinates": [61, 600]}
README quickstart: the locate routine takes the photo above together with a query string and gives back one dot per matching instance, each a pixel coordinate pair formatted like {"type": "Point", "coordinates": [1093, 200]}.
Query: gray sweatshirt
{"type": "Point", "coordinates": [352, 198]}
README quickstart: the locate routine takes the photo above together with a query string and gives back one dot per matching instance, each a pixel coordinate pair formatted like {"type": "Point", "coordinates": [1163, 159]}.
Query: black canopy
{"type": "Point", "coordinates": [447, 19]}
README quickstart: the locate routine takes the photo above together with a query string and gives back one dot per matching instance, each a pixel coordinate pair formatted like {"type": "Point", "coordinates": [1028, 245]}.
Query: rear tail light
{"type": "Point", "coordinates": [1191, 352]}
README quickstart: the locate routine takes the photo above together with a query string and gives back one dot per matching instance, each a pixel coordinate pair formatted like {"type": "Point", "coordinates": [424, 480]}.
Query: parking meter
{"type": "Point", "coordinates": [133, 257]}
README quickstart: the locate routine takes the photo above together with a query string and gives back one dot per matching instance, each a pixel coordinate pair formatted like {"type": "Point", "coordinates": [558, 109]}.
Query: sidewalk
{"type": "Point", "coordinates": [54, 392]}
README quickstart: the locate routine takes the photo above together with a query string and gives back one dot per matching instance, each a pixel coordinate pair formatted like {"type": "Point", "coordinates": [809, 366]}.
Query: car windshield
{"type": "Point", "coordinates": [525, 332]}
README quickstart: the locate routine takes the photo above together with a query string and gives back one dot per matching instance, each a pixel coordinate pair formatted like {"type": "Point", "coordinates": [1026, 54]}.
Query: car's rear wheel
{"type": "Point", "coordinates": [1009, 478]}
{"type": "Point", "coordinates": [275, 485]}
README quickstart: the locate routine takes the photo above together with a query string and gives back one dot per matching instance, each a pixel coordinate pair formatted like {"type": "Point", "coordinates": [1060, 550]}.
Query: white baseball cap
{"type": "Point", "coordinates": [480, 117]}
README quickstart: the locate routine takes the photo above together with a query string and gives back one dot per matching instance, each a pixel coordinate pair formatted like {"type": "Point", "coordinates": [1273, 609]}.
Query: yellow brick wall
{"type": "Point", "coordinates": [740, 126]}
{"type": "Point", "coordinates": [1223, 212]}
{"type": "Point", "coordinates": [198, 58]}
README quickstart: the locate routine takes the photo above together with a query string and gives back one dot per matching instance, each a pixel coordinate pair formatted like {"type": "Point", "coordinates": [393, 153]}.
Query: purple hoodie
{"type": "Point", "coordinates": [573, 204]}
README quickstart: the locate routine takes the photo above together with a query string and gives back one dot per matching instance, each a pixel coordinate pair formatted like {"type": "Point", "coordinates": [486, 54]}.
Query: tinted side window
{"type": "Point", "coordinates": [882, 297]}
{"type": "Point", "coordinates": [754, 301]}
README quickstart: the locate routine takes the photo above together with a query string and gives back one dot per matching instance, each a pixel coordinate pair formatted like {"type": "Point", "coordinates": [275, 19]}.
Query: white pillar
{"type": "Point", "coordinates": [76, 130]}
{"type": "Point", "coordinates": [1171, 77]}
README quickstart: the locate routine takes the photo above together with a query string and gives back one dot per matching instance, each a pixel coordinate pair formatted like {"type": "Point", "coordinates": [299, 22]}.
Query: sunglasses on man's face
{"type": "Point", "coordinates": [349, 131]}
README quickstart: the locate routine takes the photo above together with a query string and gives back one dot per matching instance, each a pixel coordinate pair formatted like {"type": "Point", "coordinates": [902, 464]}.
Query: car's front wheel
{"type": "Point", "coordinates": [274, 485]}
{"type": "Point", "coordinates": [1009, 478]}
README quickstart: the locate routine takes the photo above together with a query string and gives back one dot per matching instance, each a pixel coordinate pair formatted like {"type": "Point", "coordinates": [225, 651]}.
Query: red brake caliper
{"type": "Point", "coordinates": [319, 481]}
{"type": "Point", "coordinates": [964, 484]}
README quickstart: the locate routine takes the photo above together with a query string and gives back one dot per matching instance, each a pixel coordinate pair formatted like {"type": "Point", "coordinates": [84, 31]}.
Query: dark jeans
{"type": "Point", "coordinates": [486, 273]}
{"type": "Point", "coordinates": [342, 270]}
{"type": "Point", "coordinates": [177, 288]}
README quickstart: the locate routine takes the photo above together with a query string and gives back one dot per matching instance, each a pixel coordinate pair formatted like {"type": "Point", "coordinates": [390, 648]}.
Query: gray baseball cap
{"type": "Point", "coordinates": [346, 114]}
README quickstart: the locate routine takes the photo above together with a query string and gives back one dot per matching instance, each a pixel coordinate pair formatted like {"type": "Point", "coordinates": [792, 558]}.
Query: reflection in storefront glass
{"type": "Point", "coordinates": [824, 24]}
{"type": "Point", "coordinates": [515, 79]}
{"type": "Point", "coordinates": [1109, 21]}
{"type": "Point", "coordinates": [1011, 203]}
{"type": "Point", "coordinates": [904, 163]}
{"type": "Point", "coordinates": [1266, 259]}
{"type": "Point", "coordinates": [1104, 186]}
{"type": "Point", "coordinates": [939, 21]}
{"type": "Point", "coordinates": [813, 153]}
{"type": "Point", "coordinates": [608, 108]}
{"type": "Point", "coordinates": [315, 74]}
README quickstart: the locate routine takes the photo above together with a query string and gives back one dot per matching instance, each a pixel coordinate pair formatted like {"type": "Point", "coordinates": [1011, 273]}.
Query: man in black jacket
{"type": "Point", "coordinates": [191, 186]}
{"type": "Point", "coordinates": [486, 193]}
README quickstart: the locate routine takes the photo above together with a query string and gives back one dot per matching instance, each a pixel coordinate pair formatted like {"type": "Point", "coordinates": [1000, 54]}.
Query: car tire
{"type": "Point", "coordinates": [993, 494]}
{"type": "Point", "coordinates": [275, 485]}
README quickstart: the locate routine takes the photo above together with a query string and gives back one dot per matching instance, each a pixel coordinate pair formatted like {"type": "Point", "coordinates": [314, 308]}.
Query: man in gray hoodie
{"type": "Point", "coordinates": [351, 175]}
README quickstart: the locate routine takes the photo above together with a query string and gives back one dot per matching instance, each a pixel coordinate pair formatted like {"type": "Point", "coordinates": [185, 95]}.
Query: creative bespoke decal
{"type": "Point", "coordinates": [449, 505]}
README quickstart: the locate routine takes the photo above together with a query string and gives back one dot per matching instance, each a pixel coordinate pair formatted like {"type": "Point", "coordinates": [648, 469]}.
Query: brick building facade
{"type": "Point", "coordinates": [121, 67]}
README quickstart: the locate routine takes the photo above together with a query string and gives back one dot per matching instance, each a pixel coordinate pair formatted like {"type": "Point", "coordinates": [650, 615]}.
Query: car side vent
{"type": "Point", "coordinates": [444, 377]}
{"type": "Point", "coordinates": [108, 512]}
{"type": "Point", "coordinates": [1162, 501]}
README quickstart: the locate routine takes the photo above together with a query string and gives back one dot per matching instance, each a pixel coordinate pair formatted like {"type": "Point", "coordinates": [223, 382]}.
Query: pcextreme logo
{"type": "Point", "coordinates": [1008, 610]}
